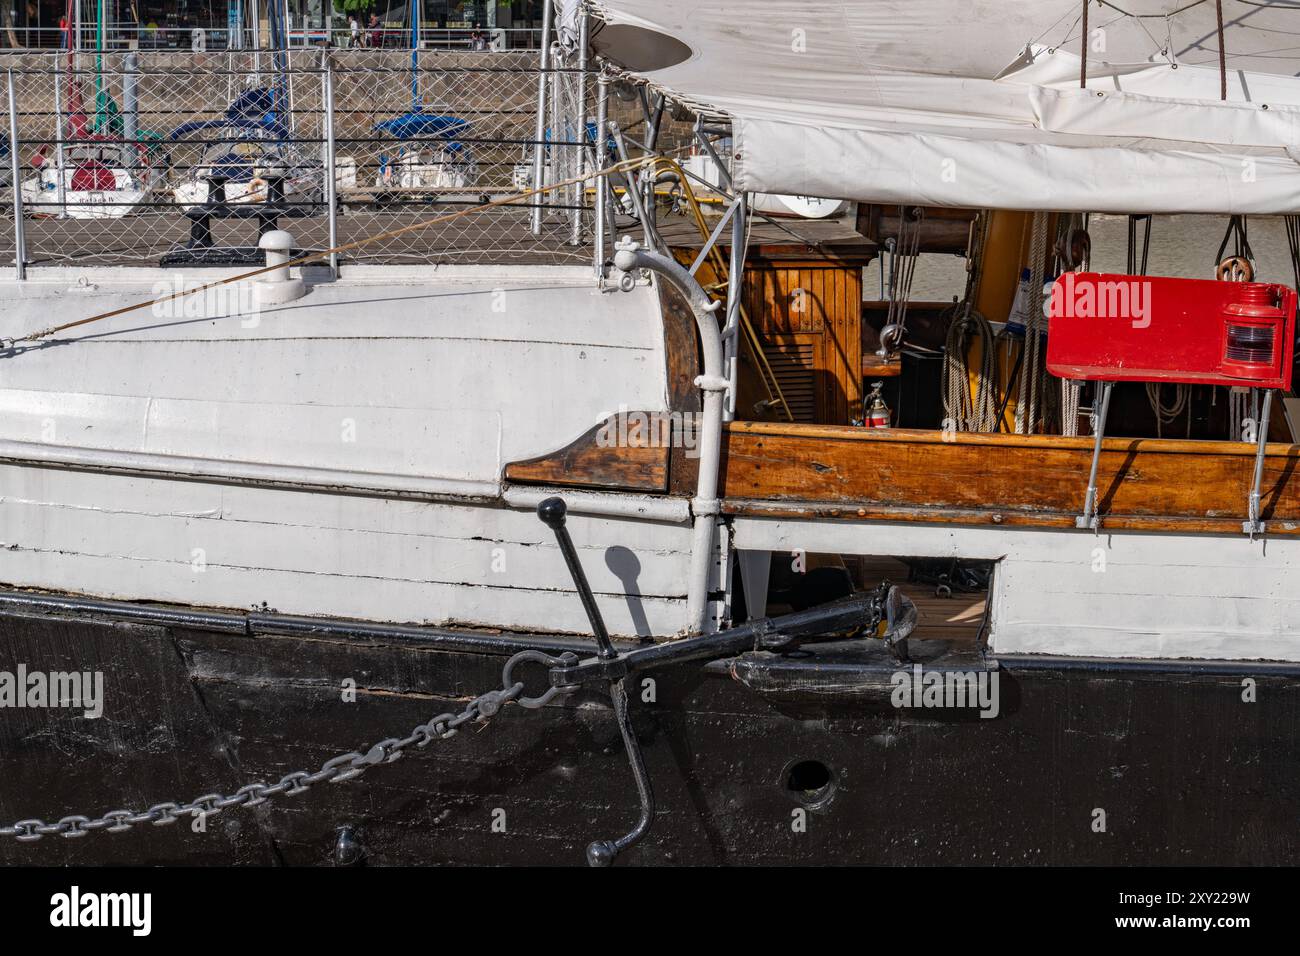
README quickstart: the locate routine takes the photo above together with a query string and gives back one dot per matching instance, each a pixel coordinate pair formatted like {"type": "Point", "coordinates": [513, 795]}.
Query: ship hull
{"type": "Point", "coordinates": [1086, 761]}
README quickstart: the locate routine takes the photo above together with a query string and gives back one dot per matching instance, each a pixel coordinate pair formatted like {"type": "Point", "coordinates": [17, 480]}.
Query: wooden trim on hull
{"type": "Point", "coordinates": [603, 458]}
{"type": "Point", "coordinates": [637, 459]}
{"type": "Point", "coordinates": [814, 471]}
{"type": "Point", "coordinates": [810, 472]}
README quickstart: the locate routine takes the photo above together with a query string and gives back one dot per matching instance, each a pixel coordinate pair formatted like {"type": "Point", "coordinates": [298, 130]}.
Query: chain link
{"type": "Point", "coordinates": [346, 766]}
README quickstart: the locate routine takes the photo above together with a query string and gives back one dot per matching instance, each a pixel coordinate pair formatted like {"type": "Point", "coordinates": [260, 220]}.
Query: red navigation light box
{"type": "Point", "coordinates": [1122, 328]}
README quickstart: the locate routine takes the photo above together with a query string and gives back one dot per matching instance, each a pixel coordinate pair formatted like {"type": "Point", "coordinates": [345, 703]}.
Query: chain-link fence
{"type": "Point", "coordinates": [147, 158]}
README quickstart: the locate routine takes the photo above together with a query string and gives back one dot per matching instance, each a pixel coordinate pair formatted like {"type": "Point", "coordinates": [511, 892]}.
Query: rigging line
{"type": "Point", "coordinates": [1274, 54]}
{"type": "Point", "coordinates": [1056, 24]}
{"type": "Point", "coordinates": [326, 253]}
{"type": "Point", "coordinates": [730, 197]}
{"type": "Point", "coordinates": [1069, 34]}
{"type": "Point", "coordinates": [1083, 49]}
{"type": "Point", "coordinates": [1223, 57]}
{"type": "Point", "coordinates": [1159, 16]}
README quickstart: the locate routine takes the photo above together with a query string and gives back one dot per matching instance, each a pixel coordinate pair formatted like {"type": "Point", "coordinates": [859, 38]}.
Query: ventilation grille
{"type": "Point", "coordinates": [793, 364]}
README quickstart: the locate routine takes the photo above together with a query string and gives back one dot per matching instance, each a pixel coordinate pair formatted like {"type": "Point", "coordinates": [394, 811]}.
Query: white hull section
{"type": "Point", "coordinates": [412, 171]}
{"type": "Point", "coordinates": [189, 196]}
{"type": "Point", "coordinates": [338, 455]}
{"type": "Point", "coordinates": [402, 561]}
{"type": "Point", "coordinates": [1109, 595]}
{"type": "Point", "coordinates": [40, 195]}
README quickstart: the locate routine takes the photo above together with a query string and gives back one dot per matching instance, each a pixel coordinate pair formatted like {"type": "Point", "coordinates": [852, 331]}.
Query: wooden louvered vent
{"type": "Point", "coordinates": [794, 364]}
{"type": "Point", "coordinates": [807, 313]}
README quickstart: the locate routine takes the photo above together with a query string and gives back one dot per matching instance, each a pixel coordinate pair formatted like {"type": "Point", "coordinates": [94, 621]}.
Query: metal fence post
{"type": "Point", "coordinates": [331, 177]}
{"type": "Point", "coordinates": [580, 191]}
{"type": "Point", "coordinates": [15, 170]}
{"type": "Point", "coordinates": [61, 186]}
{"type": "Point", "coordinates": [540, 130]}
{"type": "Point", "coordinates": [598, 163]}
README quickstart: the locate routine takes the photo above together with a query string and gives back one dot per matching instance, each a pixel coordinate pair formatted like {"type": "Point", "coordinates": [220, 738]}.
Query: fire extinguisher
{"type": "Point", "coordinates": [877, 413]}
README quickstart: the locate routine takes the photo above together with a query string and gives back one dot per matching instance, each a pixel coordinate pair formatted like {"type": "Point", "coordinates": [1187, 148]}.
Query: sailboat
{"type": "Point", "coordinates": [248, 150]}
{"type": "Point", "coordinates": [661, 541]}
{"type": "Point", "coordinates": [94, 171]}
{"type": "Point", "coordinates": [241, 148]}
{"type": "Point", "coordinates": [431, 157]}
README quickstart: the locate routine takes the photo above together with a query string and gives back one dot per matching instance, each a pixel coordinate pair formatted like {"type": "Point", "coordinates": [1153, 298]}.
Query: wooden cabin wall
{"type": "Point", "coordinates": [808, 315]}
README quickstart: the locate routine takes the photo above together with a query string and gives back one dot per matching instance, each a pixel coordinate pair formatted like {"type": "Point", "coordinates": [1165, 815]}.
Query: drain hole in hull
{"type": "Point", "coordinates": [810, 782]}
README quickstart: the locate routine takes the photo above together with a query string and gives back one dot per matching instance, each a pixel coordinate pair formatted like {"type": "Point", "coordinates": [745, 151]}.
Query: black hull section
{"type": "Point", "coordinates": [1185, 771]}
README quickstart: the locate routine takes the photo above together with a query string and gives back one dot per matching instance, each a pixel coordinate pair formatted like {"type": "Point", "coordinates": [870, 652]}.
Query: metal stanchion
{"type": "Point", "coordinates": [331, 177]}
{"type": "Point", "coordinates": [602, 110]}
{"type": "Point", "coordinates": [735, 291]}
{"type": "Point", "coordinates": [539, 134]}
{"type": "Point", "coordinates": [15, 170]}
{"type": "Point", "coordinates": [60, 185]}
{"type": "Point", "coordinates": [580, 189]}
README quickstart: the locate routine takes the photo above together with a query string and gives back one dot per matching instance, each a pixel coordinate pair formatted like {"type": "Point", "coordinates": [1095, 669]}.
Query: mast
{"type": "Point", "coordinates": [100, 14]}
{"type": "Point", "coordinates": [416, 13]}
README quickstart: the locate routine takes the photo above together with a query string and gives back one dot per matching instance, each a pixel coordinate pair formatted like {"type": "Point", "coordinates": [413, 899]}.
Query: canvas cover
{"type": "Point", "coordinates": [978, 103]}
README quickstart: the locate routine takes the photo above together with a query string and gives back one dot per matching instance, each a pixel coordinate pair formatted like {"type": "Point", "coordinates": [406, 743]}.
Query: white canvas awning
{"type": "Point", "coordinates": [978, 103]}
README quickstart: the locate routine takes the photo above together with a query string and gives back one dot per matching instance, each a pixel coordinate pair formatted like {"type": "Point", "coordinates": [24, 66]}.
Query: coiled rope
{"type": "Point", "coordinates": [1165, 414]}
{"type": "Point", "coordinates": [962, 411]}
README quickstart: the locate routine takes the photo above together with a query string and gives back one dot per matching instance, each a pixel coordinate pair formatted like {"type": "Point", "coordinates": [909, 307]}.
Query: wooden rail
{"type": "Point", "coordinates": [1036, 480]}
{"type": "Point", "coordinates": [846, 472]}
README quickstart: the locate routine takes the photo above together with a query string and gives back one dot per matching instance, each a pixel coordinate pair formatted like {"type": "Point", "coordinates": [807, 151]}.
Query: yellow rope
{"type": "Point", "coordinates": [721, 270]}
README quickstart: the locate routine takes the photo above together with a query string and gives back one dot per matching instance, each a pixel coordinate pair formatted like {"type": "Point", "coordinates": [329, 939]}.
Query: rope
{"type": "Point", "coordinates": [1293, 245]}
{"type": "Point", "coordinates": [1069, 258]}
{"type": "Point", "coordinates": [1239, 412]}
{"type": "Point", "coordinates": [722, 273]}
{"type": "Point", "coordinates": [326, 253]}
{"type": "Point", "coordinates": [963, 412]}
{"type": "Point", "coordinates": [1223, 56]}
{"type": "Point", "coordinates": [1165, 414]}
{"type": "Point", "coordinates": [1071, 401]}
{"type": "Point", "coordinates": [1083, 54]}
{"type": "Point", "coordinates": [1032, 371]}
{"type": "Point", "coordinates": [902, 266]}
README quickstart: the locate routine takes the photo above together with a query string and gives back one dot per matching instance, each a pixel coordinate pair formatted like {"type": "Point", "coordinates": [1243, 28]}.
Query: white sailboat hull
{"type": "Point", "coordinates": [41, 196]}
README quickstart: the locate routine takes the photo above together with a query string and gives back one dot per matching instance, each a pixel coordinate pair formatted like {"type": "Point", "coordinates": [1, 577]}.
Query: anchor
{"type": "Point", "coordinates": [859, 615]}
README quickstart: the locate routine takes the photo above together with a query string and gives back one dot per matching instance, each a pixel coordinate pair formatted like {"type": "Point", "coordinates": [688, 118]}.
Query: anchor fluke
{"type": "Point", "coordinates": [601, 853]}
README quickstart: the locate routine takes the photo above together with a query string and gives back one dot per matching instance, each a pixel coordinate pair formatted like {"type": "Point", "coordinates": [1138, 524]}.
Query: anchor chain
{"type": "Point", "coordinates": [345, 766]}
